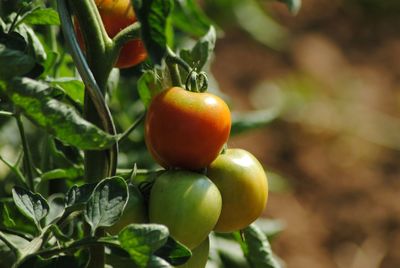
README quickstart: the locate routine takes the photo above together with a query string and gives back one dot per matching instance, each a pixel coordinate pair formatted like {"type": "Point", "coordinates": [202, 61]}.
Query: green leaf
{"type": "Point", "coordinates": [245, 121]}
{"type": "Point", "coordinates": [107, 203]}
{"type": "Point", "coordinates": [44, 16]}
{"type": "Point", "coordinates": [200, 54]}
{"type": "Point", "coordinates": [293, 5]}
{"type": "Point", "coordinates": [188, 16]}
{"type": "Point", "coordinates": [259, 252]}
{"type": "Point", "coordinates": [153, 15]}
{"type": "Point", "coordinates": [174, 252]}
{"type": "Point", "coordinates": [57, 118]}
{"type": "Point", "coordinates": [79, 195]}
{"type": "Point", "coordinates": [35, 47]}
{"type": "Point", "coordinates": [142, 240]}
{"type": "Point", "coordinates": [71, 173]}
{"type": "Point", "coordinates": [32, 205]}
{"type": "Point", "coordinates": [148, 86]}
{"type": "Point", "coordinates": [73, 87]}
{"type": "Point", "coordinates": [57, 208]}
{"type": "Point", "coordinates": [19, 222]}
{"type": "Point", "coordinates": [5, 219]}
{"type": "Point", "coordinates": [14, 63]}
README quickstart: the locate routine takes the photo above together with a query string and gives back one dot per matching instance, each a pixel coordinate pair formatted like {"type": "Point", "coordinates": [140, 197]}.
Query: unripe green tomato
{"type": "Point", "coordinates": [199, 256]}
{"type": "Point", "coordinates": [243, 184]}
{"type": "Point", "coordinates": [188, 203]}
{"type": "Point", "coordinates": [135, 211]}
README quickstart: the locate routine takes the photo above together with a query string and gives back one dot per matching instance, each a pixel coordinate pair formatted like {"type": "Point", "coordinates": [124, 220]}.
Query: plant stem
{"type": "Point", "coordinates": [27, 153]}
{"type": "Point", "coordinates": [131, 128]}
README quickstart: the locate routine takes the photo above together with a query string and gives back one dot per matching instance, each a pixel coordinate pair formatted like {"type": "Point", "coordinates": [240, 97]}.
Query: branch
{"type": "Point", "coordinates": [131, 128]}
{"type": "Point", "coordinates": [129, 33]}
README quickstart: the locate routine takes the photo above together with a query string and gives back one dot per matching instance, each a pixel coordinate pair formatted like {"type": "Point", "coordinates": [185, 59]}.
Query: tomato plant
{"type": "Point", "coordinates": [186, 129]}
{"type": "Point", "coordinates": [243, 185]}
{"type": "Point", "coordinates": [188, 203]}
{"type": "Point", "coordinates": [117, 15]}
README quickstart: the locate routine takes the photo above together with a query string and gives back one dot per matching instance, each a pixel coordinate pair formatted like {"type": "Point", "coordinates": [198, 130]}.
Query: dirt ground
{"type": "Point", "coordinates": [339, 150]}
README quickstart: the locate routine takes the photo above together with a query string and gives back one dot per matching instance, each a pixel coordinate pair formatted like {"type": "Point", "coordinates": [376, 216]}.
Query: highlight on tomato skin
{"type": "Point", "coordinates": [243, 185]}
{"type": "Point", "coordinates": [117, 15]}
{"type": "Point", "coordinates": [186, 129]}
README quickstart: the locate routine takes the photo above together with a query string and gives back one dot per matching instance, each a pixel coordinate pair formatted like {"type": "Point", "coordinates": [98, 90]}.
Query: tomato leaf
{"type": "Point", "coordinates": [32, 205]}
{"type": "Point", "coordinates": [14, 63]}
{"type": "Point", "coordinates": [43, 16]}
{"type": "Point", "coordinates": [153, 15]}
{"type": "Point", "coordinates": [5, 219]}
{"type": "Point", "coordinates": [79, 195]}
{"type": "Point", "coordinates": [142, 240]}
{"type": "Point", "coordinates": [107, 203]}
{"type": "Point", "coordinates": [18, 221]}
{"type": "Point", "coordinates": [246, 121]}
{"type": "Point", "coordinates": [258, 250]}
{"type": "Point", "coordinates": [71, 173]}
{"type": "Point", "coordinates": [188, 16]}
{"type": "Point", "coordinates": [58, 118]}
{"type": "Point", "coordinates": [148, 87]}
{"type": "Point", "coordinates": [174, 252]}
{"type": "Point", "coordinates": [57, 208]}
{"type": "Point", "coordinates": [200, 54]}
{"type": "Point", "coordinates": [35, 47]}
{"type": "Point", "coordinates": [73, 87]}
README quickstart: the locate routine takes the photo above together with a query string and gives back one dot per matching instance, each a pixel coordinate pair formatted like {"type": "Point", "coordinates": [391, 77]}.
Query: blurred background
{"type": "Point", "coordinates": [331, 76]}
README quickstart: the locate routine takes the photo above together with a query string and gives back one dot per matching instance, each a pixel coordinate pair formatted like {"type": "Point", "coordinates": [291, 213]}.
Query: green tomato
{"type": "Point", "coordinates": [244, 188]}
{"type": "Point", "coordinates": [135, 211]}
{"type": "Point", "coordinates": [188, 203]}
{"type": "Point", "coordinates": [199, 256]}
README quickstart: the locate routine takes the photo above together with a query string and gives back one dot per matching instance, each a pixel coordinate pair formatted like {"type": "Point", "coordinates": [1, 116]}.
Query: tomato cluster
{"type": "Point", "coordinates": [117, 15]}
{"type": "Point", "coordinates": [204, 187]}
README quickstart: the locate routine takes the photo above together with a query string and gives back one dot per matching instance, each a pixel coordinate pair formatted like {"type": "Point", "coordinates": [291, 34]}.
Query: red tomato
{"type": "Point", "coordinates": [186, 129]}
{"type": "Point", "coordinates": [117, 15]}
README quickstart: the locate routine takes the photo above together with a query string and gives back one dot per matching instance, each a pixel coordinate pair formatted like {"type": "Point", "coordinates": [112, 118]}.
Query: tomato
{"type": "Point", "coordinates": [199, 256]}
{"type": "Point", "coordinates": [244, 188]}
{"type": "Point", "coordinates": [188, 203]}
{"type": "Point", "coordinates": [135, 211]}
{"type": "Point", "coordinates": [117, 15]}
{"type": "Point", "coordinates": [186, 129]}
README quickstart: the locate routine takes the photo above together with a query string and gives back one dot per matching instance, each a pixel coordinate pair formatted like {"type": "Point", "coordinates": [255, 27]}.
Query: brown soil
{"type": "Point", "coordinates": [339, 151]}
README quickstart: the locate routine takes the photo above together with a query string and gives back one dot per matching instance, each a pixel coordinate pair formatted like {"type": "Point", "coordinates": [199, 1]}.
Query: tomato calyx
{"type": "Point", "coordinates": [196, 82]}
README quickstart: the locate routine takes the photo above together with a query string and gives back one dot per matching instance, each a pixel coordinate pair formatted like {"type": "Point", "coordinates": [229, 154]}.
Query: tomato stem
{"type": "Point", "coordinates": [131, 128]}
{"type": "Point", "coordinates": [27, 153]}
{"type": "Point", "coordinates": [125, 35]}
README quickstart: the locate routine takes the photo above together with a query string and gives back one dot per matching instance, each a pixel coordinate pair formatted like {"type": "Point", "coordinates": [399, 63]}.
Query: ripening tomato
{"type": "Point", "coordinates": [199, 256]}
{"type": "Point", "coordinates": [134, 212]}
{"type": "Point", "coordinates": [188, 203]}
{"type": "Point", "coordinates": [117, 15]}
{"type": "Point", "coordinates": [243, 184]}
{"type": "Point", "coordinates": [186, 129]}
